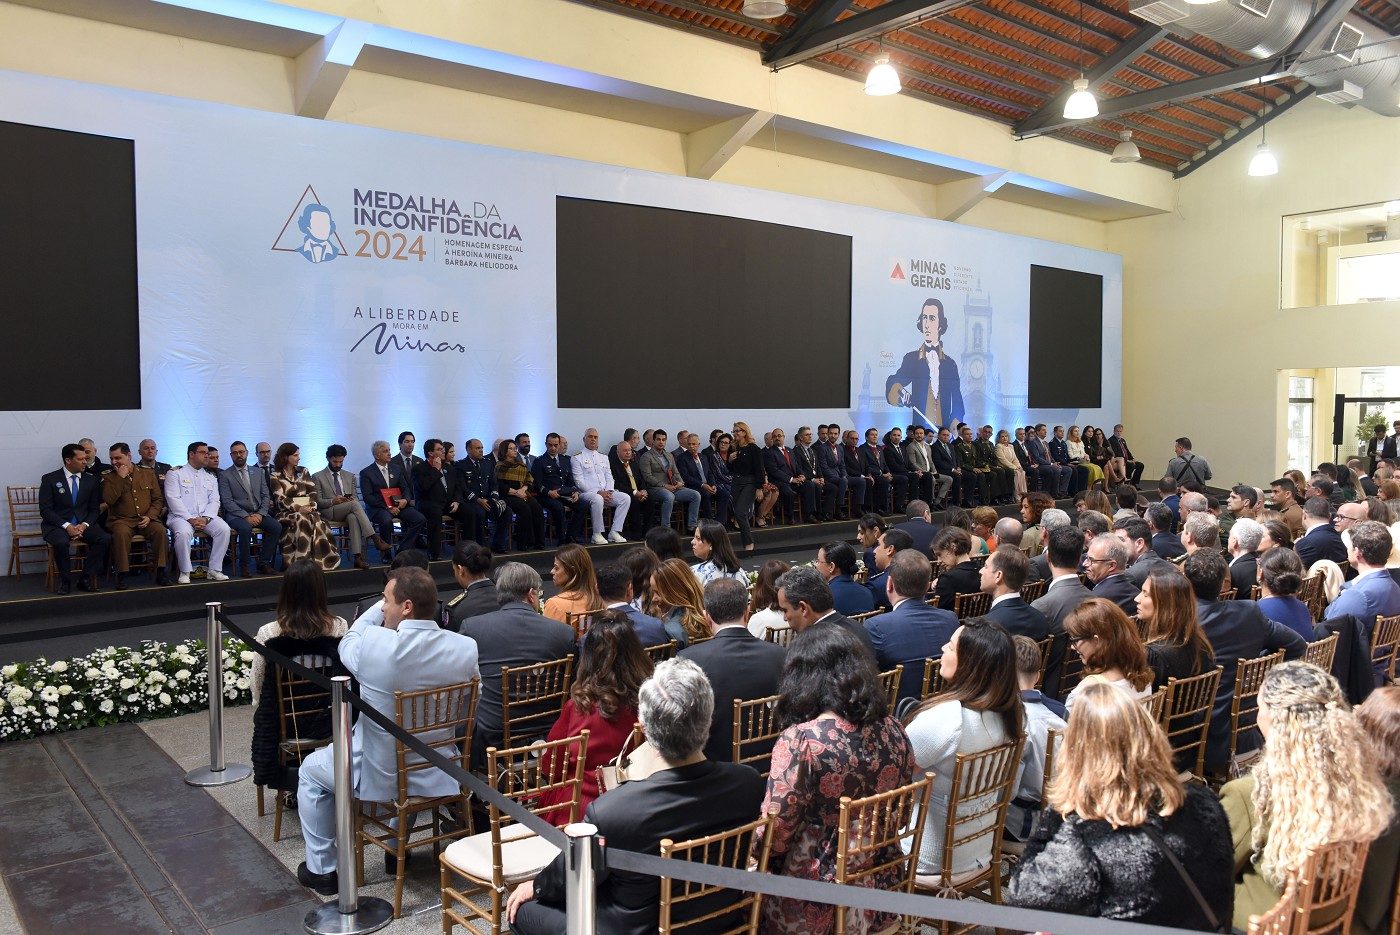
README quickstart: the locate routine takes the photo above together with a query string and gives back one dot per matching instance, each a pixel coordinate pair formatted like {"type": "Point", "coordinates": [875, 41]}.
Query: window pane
{"type": "Point", "coordinates": [1300, 421]}
{"type": "Point", "coordinates": [1300, 387]}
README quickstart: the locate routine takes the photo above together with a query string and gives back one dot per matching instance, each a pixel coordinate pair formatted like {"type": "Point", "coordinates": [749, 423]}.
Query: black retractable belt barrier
{"type": "Point", "coordinates": [835, 894]}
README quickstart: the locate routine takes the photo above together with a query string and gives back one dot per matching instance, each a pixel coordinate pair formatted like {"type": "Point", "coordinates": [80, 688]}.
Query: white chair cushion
{"type": "Point", "coordinates": [523, 855]}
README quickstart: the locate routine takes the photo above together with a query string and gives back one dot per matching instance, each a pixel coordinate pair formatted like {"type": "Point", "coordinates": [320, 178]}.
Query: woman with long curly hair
{"type": "Point", "coordinates": [612, 667]}
{"type": "Point", "coordinates": [1316, 783]}
{"type": "Point", "coordinates": [1033, 505]}
{"type": "Point", "coordinates": [1380, 719]}
{"type": "Point", "coordinates": [577, 582]}
{"type": "Point", "coordinates": [677, 600]}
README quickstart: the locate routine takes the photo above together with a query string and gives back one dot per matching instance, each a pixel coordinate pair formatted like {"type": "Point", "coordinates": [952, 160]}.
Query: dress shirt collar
{"type": "Point", "coordinates": [1004, 597]}
{"type": "Point", "coordinates": [1058, 578]}
{"type": "Point", "coordinates": [829, 613]}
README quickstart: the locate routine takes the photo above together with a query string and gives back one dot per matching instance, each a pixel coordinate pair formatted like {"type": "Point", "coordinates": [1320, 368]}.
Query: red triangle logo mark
{"type": "Point", "coordinates": [898, 273]}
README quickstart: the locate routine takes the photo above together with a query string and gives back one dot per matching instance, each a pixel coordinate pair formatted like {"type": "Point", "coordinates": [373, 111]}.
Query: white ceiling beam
{"type": "Point", "coordinates": [321, 70]}
{"type": "Point", "coordinates": [709, 148]}
{"type": "Point", "coordinates": [954, 199]}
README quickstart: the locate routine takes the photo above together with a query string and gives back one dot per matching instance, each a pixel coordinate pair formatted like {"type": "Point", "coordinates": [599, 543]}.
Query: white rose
{"type": "Point", "coordinates": [106, 706]}
{"type": "Point", "coordinates": [65, 689]}
{"type": "Point", "coordinates": [182, 675]}
{"type": "Point", "coordinates": [59, 666]}
{"type": "Point", "coordinates": [133, 697]}
{"type": "Point", "coordinates": [9, 671]}
{"type": "Point", "coordinates": [51, 710]}
{"type": "Point", "coordinates": [242, 683]}
{"type": "Point", "coordinates": [77, 706]}
{"type": "Point", "coordinates": [92, 674]}
{"type": "Point", "coordinates": [164, 698]}
{"type": "Point", "coordinates": [154, 677]}
{"type": "Point", "coordinates": [184, 699]}
{"type": "Point", "coordinates": [128, 683]}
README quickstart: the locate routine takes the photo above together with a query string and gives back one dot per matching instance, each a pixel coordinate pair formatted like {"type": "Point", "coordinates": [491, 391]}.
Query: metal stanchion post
{"type": "Point", "coordinates": [580, 891]}
{"type": "Point", "coordinates": [217, 773]}
{"type": "Point", "coordinates": [349, 914]}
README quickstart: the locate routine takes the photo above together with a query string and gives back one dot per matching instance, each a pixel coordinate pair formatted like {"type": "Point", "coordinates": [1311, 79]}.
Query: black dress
{"type": "Point", "coordinates": [962, 578]}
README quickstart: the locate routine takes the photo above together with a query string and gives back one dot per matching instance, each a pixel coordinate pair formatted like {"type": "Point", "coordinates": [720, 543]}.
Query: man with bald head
{"type": "Point", "coordinates": [628, 481]}
{"type": "Point", "coordinates": [593, 476]}
{"type": "Point", "coordinates": [148, 451]}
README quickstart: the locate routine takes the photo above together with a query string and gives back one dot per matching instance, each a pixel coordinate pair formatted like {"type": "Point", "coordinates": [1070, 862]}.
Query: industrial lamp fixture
{"type": "Point", "coordinates": [882, 80]}
{"type": "Point", "coordinates": [1081, 104]}
{"type": "Point", "coordinates": [764, 9]}
{"type": "Point", "coordinates": [1264, 161]}
{"type": "Point", "coordinates": [1127, 150]}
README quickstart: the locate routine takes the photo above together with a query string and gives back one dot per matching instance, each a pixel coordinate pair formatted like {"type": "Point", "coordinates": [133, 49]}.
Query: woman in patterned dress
{"type": "Point", "coordinates": [840, 740]}
{"type": "Point", "coordinates": [305, 534]}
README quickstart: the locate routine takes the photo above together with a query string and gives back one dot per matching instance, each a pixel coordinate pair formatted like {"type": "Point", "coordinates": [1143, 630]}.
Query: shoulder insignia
{"type": "Point", "coordinates": [454, 601]}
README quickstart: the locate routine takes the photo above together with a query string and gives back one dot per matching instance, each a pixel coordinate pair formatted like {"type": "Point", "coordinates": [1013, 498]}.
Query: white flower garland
{"type": "Point", "coordinates": [115, 684]}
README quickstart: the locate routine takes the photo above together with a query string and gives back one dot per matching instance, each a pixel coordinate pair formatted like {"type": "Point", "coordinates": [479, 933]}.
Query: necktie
{"type": "Point", "coordinates": [699, 466]}
{"type": "Point", "coordinates": [73, 482]}
{"type": "Point", "coordinates": [339, 491]}
{"type": "Point", "coordinates": [247, 485]}
{"type": "Point", "coordinates": [384, 469]}
{"type": "Point", "coordinates": [786, 457]}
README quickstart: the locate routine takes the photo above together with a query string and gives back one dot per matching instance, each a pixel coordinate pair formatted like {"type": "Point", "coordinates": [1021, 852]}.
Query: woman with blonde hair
{"type": "Point", "coordinates": [1177, 647]}
{"type": "Point", "coordinates": [1111, 647]}
{"type": "Point", "coordinates": [1006, 457]}
{"type": "Point", "coordinates": [1124, 838]}
{"type": "Point", "coordinates": [1380, 719]}
{"type": "Point", "coordinates": [677, 600]}
{"type": "Point", "coordinates": [1316, 783]}
{"type": "Point", "coordinates": [578, 585]}
{"type": "Point", "coordinates": [1080, 456]}
{"type": "Point", "coordinates": [750, 483]}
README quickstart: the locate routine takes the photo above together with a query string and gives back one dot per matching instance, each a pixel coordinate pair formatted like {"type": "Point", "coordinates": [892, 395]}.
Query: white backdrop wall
{"type": "Point", "coordinates": [432, 305]}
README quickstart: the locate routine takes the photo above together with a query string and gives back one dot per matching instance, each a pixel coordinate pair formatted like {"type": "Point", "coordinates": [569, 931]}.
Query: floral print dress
{"type": "Point", "coordinates": [814, 764]}
{"type": "Point", "coordinates": [304, 535]}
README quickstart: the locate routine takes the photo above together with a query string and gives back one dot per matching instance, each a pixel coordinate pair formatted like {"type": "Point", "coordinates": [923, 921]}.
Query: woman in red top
{"type": "Point", "coordinates": [612, 668]}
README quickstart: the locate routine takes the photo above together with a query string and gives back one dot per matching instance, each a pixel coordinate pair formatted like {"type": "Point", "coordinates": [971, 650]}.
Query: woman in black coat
{"type": "Point", "coordinates": [952, 549]}
{"type": "Point", "coordinates": [1124, 833]}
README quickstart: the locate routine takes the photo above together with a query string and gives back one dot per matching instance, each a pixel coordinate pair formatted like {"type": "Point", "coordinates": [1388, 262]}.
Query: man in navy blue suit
{"type": "Point", "coordinates": [837, 563]}
{"type": "Point", "coordinates": [615, 588]}
{"type": "Point", "coordinates": [911, 631]}
{"type": "Point", "coordinates": [940, 401]}
{"type": "Point", "coordinates": [70, 504]}
{"type": "Point", "coordinates": [833, 469]}
{"type": "Point", "coordinates": [1321, 540]}
{"type": "Point", "coordinates": [790, 477]}
{"type": "Point", "coordinates": [714, 499]}
{"type": "Point", "coordinates": [919, 525]}
{"type": "Point", "coordinates": [382, 475]}
{"type": "Point", "coordinates": [1002, 576]}
{"type": "Point", "coordinates": [1104, 563]}
{"type": "Point", "coordinates": [1059, 453]}
{"type": "Point", "coordinates": [1054, 479]}
{"type": "Point", "coordinates": [554, 479]}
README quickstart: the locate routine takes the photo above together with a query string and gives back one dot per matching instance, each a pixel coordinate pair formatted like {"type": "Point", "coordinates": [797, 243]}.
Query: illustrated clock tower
{"type": "Point", "coordinates": [977, 362]}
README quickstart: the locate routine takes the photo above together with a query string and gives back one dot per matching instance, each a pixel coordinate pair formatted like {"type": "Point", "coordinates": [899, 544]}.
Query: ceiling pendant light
{"type": "Point", "coordinates": [882, 80]}
{"type": "Point", "coordinates": [1127, 150]}
{"type": "Point", "coordinates": [765, 9]}
{"type": "Point", "coordinates": [1264, 161]}
{"type": "Point", "coordinates": [1081, 105]}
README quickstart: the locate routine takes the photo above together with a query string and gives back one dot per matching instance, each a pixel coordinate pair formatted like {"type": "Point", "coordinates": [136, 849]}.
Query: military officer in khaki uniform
{"type": "Point", "coordinates": [135, 504]}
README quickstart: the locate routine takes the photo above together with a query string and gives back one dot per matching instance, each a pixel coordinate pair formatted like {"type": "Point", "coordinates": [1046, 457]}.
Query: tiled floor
{"type": "Point", "coordinates": [99, 832]}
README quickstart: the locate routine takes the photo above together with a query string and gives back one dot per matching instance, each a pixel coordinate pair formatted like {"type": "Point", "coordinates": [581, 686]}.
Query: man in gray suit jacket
{"type": "Point", "coordinates": [1064, 593]}
{"type": "Point", "coordinates": [1136, 537]}
{"type": "Point", "coordinates": [247, 505]}
{"type": "Point", "coordinates": [409, 652]}
{"type": "Point", "coordinates": [339, 501]}
{"type": "Point", "coordinates": [664, 483]}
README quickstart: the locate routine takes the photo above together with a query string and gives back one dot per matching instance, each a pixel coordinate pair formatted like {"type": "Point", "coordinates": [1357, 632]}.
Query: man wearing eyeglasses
{"type": "Point", "coordinates": [1322, 540]}
{"type": "Point", "coordinates": [1347, 516]}
{"type": "Point", "coordinates": [1104, 564]}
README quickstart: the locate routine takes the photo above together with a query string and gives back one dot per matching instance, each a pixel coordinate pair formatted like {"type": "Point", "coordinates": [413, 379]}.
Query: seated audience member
{"type": "Point", "coordinates": [70, 507]}
{"type": "Point", "coordinates": [338, 501]}
{"type": "Point", "coordinates": [1002, 576]}
{"type": "Point", "coordinates": [1176, 645]}
{"type": "Point", "coordinates": [868, 531]}
{"type": "Point", "coordinates": [1373, 591]}
{"type": "Point", "coordinates": [381, 475]}
{"type": "Point", "coordinates": [642, 563]}
{"type": "Point", "coordinates": [1111, 647]}
{"type": "Point", "coordinates": [1007, 460]}
{"type": "Point", "coordinates": [1187, 467]}
{"type": "Point", "coordinates": [984, 520]}
{"type": "Point", "coordinates": [247, 506]}
{"type": "Point", "coordinates": [838, 740]}
{"type": "Point", "coordinates": [409, 652]}
{"type": "Point", "coordinates": [1093, 523]}
{"type": "Point", "coordinates": [958, 518]}
{"type": "Point", "coordinates": [616, 589]}
{"type": "Point", "coordinates": [1125, 497]}
{"type": "Point", "coordinates": [1316, 783]}
{"type": "Point", "coordinates": [889, 542]}
{"type": "Point", "coordinates": [555, 490]}
{"type": "Point", "coordinates": [664, 541]}
{"type": "Point", "coordinates": [1170, 497]}
{"type": "Point", "coordinates": [1243, 546]}
{"type": "Point", "coordinates": [1379, 718]}
{"type": "Point", "coordinates": [516, 485]}
{"type": "Point", "coordinates": [1320, 540]}
{"type": "Point", "coordinates": [979, 709]}
{"type": "Point", "coordinates": [407, 460]}
{"type": "Point", "coordinates": [764, 613]}
{"type": "Point", "coordinates": [471, 566]}
{"type": "Point", "coordinates": [711, 545]}
{"type": "Point", "coordinates": [891, 479]}
{"type": "Point", "coordinates": [135, 506]}
{"type": "Point", "coordinates": [1062, 596]}
{"type": "Point", "coordinates": [837, 563]}
{"type": "Point", "coordinates": [603, 701]}
{"type": "Point", "coordinates": [738, 665]}
{"type": "Point", "coordinates": [304, 627]}
{"type": "Point", "coordinates": [192, 499]}
{"type": "Point", "coordinates": [1119, 446]}
{"type": "Point", "coordinates": [1200, 531]}
{"type": "Point", "coordinates": [1192, 502]}
{"type": "Point", "coordinates": [1033, 508]}
{"type": "Point", "coordinates": [952, 549]}
{"type": "Point", "coordinates": [628, 480]}
{"type": "Point", "coordinates": [999, 476]}
{"type": "Point", "coordinates": [148, 451]}
{"type": "Point", "coordinates": [976, 471]}
{"type": "Point", "coordinates": [1060, 454]}
{"type": "Point", "coordinates": [1136, 537]}
{"type": "Point", "coordinates": [1043, 714]}
{"type": "Point", "coordinates": [1276, 534]}
{"type": "Point", "coordinates": [663, 482]}
{"type": "Point", "coordinates": [911, 631]}
{"type": "Point", "coordinates": [947, 464]}
{"type": "Point", "coordinates": [513, 636]}
{"type": "Point", "coordinates": [1008, 530]}
{"type": "Point", "coordinates": [806, 463]}
{"type": "Point", "coordinates": [676, 599]}
{"type": "Point", "coordinates": [806, 601]}
{"type": "Point", "coordinates": [1116, 805]}
{"type": "Point", "coordinates": [572, 573]}
{"type": "Point", "coordinates": [1164, 542]}
{"type": "Point", "coordinates": [717, 468]}
{"type": "Point", "coordinates": [1055, 477]}
{"type": "Point", "coordinates": [211, 464]}
{"type": "Point", "coordinates": [1280, 579]}
{"type": "Point", "coordinates": [793, 485]}
{"type": "Point", "coordinates": [924, 482]}
{"type": "Point", "coordinates": [919, 525]}
{"type": "Point", "coordinates": [691, 464]}
{"type": "Point", "coordinates": [371, 606]}
{"type": "Point", "coordinates": [593, 478]}
{"type": "Point", "coordinates": [1236, 630]}
{"type": "Point", "coordinates": [481, 498]}
{"type": "Point", "coordinates": [439, 495]}
{"type": "Point", "coordinates": [688, 797]}
{"type": "Point", "coordinates": [1284, 495]}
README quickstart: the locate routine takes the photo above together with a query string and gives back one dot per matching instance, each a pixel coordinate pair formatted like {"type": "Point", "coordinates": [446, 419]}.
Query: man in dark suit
{"type": "Point", "coordinates": [919, 525]}
{"type": "Point", "coordinates": [1119, 446]}
{"type": "Point", "coordinates": [1059, 453]}
{"type": "Point", "coordinates": [805, 601]}
{"type": "Point", "coordinates": [885, 482]}
{"type": "Point", "coordinates": [1104, 563]}
{"type": "Point", "coordinates": [1136, 537]}
{"type": "Point", "coordinates": [247, 505]}
{"type": "Point", "coordinates": [911, 631]}
{"type": "Point", "coordinates": [785, 472]}
{"type": "Point", "coordinates": [937, 402]}
{"type": "Point", "coordinates": [438, 496]}
{"type": "Point", "coordinates": [1054, 478]}
{"type": "Point", "coordinates": [688, 796]}
{"type": "Point", "coordinates": [1164, 542]}
{"type": "Point", "coordinates": [946, 464]}
{"type": "Point", "coordinates": [1064, 593]}
{"type": "Point", "coordinates": [70, 505]}
{"type": "Point", "coordinates": [554, 482]}
{"type": "Point", "coordinates": [714, 499]}
{"type": "Point", "coordinates": [615, 588]}
{"type": "Point", "coordinates": [1002, 576]}
{"type": "Point", "coordinates": [1243, 545]}
{"type": "Point", "coordinates": [898, 466]}
{"type": "Point", "coordinates": [1236, 630]}
{"type": "Point", "coordinates": [1023, 455]}
{"type": "Point", "coordinates": [858, 482]}
{"type": "Point", "coordinates": [837, 563]}
{"type": "Point", "coordinates": [385, 474]}
{"type": "Point", "coordinates": [628, 479]}
{"type": "Point", "coordinates": [408, 463]}
{"type": "Point", "coordinates": [471, 566]}
{"type": "Point", "coordinates": [832, 468]}
{"type": "Point", "coordinates": [804, 464]}
{"type": "Point", "coordinates": [1375, 448]}
{"type": "Point", "coordinates": [481, 498]}
{"type": "Point", "coordinates": [919, 462]}
{"type": "Point", "coordinates": [739, 665]}
{"type": "Point", "coordinates": [514, 635]}
{"type": "Point", "coordinates": [1321, 540]}
{"type": "Point", "coordinates": [890, 544]}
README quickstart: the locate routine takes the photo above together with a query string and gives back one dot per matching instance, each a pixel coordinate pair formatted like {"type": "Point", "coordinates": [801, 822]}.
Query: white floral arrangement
{"type": "Point", "coordinates": [752, 575]}
{"type": "Point", "coordinates": [115, 684]}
